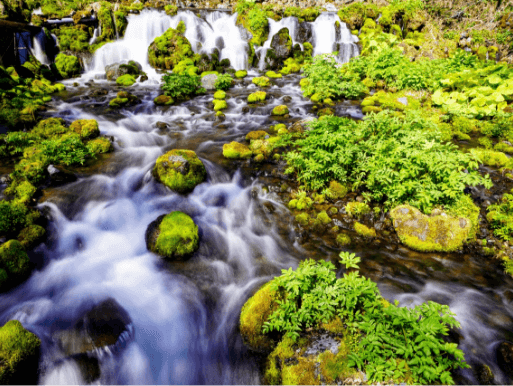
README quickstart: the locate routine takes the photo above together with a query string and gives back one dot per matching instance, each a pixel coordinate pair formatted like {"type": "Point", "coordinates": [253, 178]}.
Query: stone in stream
{"type": "Point", "coordinates": [438, 233]}
{"type": "Point", "coordinates": [114, 71]}
{"type": "Point", "coordinates": [180, 170]}
{"type": "Point", "coordinates": [19, 355]}
{"type": "Point", "coordinates": [59, 175]}
{"type": "Point", "coordinates": [208, 82]}
{"type": "Point", "coordinates": [505, 358]}
{"type": "Point", "coordinates": [101, 326]}
{"type": "Point", "coordinates": [174, 236]}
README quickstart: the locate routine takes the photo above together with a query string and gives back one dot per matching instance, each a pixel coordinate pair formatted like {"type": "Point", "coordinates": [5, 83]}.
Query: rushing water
{"type": "Point", "coordinates": [185, 315]}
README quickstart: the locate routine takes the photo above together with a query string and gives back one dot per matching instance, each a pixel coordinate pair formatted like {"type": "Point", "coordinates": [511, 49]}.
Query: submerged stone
{"type": "Point", "coordinates": [439, 233]}
{"type": "Point", "coordinates": [19, 355]}
{"type": "Point", "coordinates": [180, 170]}
{"type": "Point", "coordinates": [174, 235]}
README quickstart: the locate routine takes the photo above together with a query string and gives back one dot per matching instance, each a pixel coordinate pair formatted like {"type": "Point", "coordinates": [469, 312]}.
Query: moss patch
{"type": "Point", "coordinates": [258, 96]}
{"type": "Point", "coordinates": [180, 170]}
{"type": "Point", "coordinates": [125, 80]}
{"type": "Point", "coordinates": [19, 354]}
{"type": "Point", "coordinates": [257, 134]}
{"type": "Point", "coordinates": [163, 100]}
{"type": "Point", "coordinates": [261, 81]}
{"type": "Point", "coordinates": [177, 236]}
{"type": "Point", "coordinates": [220, 104]}
{"type": "Point", "coordinates": [438, 233]}
{"type": "Point", "coordinates": [220, 94]}
{"type": "Point", "coordinates": [168, 50]}
{"type": "Point", "coordinates": [86, 128]}
{"type": "Point", "coordinates": [280, 110]}
{"type": "Point", "coordinates": [236, 150]}
{"type": "Point", "coordinates": [31, 236]}
{"type": "Point", "coordinates": [241, 74]}
{"type": "Point", "coordinates": [363, 230]}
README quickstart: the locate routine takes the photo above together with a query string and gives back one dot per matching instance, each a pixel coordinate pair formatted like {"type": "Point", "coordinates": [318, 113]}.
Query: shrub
{"type": "Point", "coordinates": [223, 82]}
{"type": "Point", "coordinates": [181, 86]}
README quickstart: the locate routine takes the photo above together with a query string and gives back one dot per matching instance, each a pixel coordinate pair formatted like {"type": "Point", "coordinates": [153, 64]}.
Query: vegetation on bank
{"type": "Point", "coordinates": [387, 342]}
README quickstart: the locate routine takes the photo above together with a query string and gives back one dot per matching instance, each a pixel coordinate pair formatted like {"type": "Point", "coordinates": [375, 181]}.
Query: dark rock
{"type": "Point", "coordinates": [304, 33]}
{"type": "Point", "coordinates": [287, 99]}
{"type": "Point", "coordinates": [505, 358]}
{"type": "Point", "coordinates": [281, 43]}
{"type": "Point", "coordinates": [483, 374]}
{"type": "Point", "coordinates": [59, 175]}
{"type": "Point", "coordinates": [162, 125]}
{"type": "Point", "coordinates": [98, 92]}
{"type": "Point", "coordinates": [113, 71]}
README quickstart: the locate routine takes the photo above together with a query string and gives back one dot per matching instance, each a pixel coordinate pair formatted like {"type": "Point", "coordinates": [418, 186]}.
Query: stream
{"type": "Point", "coordinates": [184, 316]}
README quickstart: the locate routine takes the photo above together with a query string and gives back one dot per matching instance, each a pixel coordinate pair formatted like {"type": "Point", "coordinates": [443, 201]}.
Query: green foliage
{"type": "Point", "coordinates": [65, 150]}
{"type": "Point", "coordinates": [182, 86]}
{"type": "Point", "coordinates": [392, 160]}
{"type": "Point", "coordinates": [223, 82]}
{"type": "Point", "coordinates": [500, 216]}
{"type": "Point", "coordinates": [67, 65]}
{"type": "Point", "coordinates": [75, 38]}
{"type": "Point", "coordinates": [169, 49]}
{"type": "Point", "coordinates": [12, 217]}
{"type": "Point", "coordinates": [394, 342]}
{"type": "Point", "coordinates": [254, 18]}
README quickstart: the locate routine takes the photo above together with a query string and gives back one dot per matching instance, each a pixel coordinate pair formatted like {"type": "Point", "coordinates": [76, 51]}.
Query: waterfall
{"type": "Point", "coordinates": [38, 44]}
{"type": "Point", "coordinates": [291, 23]}
{"type": "Point", "coordinates": [326, 40]}
{"type": "Point", "coordinates": [218, 31]}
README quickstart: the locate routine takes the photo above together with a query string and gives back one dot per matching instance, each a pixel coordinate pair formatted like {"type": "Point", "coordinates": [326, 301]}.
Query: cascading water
{"type": "Point", "coordinates": [326, 40]}
{"type": "Point", "coordinates": [218, 31]}
{"type": "Point", "coordinates": [39, 52]}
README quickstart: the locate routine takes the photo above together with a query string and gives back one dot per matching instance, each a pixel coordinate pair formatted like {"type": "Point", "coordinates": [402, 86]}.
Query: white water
{"type": "Point", "coordinates": [39, 52]}
{"type": "Point", "coordinates": [203, 35]}
{"type": "Point", "coordinates": [326, 40]}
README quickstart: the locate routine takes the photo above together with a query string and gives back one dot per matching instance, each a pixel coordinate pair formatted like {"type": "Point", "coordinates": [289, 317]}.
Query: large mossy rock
{"type": "Point", "coordinates": [174, 236]}
{"type": "Point", "coordinates": [114, 71]}
{"type": "Point", "coordinates": [86, 128]}
{"type": "Point", "coordinates": [180, 170]}
{"type": "Point", "coordinates": [14, 264]}
{"type": "Point", "coordinates": [19, 355]}
{"type": "Point", "coordinates": [168, 50]}
{"type": "Point", "coordinates": [236, 150]}
{"type": "Point", "coordinates": [439, 233]}
{"type": "Point", "coordinates": [67, 65]}
{"type": "Point", "coordinates": [101, 326]}
{"type": "Point", "coordinates": [281, 43]}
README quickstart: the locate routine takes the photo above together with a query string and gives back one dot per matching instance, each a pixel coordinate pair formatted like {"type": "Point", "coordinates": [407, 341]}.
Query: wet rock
{"type": "Point", "coordinates": [300, 126]}
{"type": "Point", "coordinates": [208, 81]}
{"type": "Point", "coordinates": [483, 374]}
{"type": "Point", "coordinates": [162, 125]}
{"type": "Point", "coordinates": [101, 326]}
{"type": "Point", "coordinates": [19, 355]}
{"type": "Point", "coordinates": [438, 233]}
{"type": "Point", "coordinates": [305, 33]}
{"type": "Point", "coordinates": [281, 43]}
{"type": "Point", "coordinates": [505, 358]}
{"type": "Point", "coordinates": [174, 236]}
{"type": "Point", "coordinates": [322, 343]}
{"type": "Point", "coordinates": [60, 176]}
{"type": "Point", "coordinates": [287, 99]}
{"type": "Point", "coordinates": [180, 170]}
{"type": "Point", "coordinates": [114, 71]}
{"type": "Point", "coordinates": [98, 92]}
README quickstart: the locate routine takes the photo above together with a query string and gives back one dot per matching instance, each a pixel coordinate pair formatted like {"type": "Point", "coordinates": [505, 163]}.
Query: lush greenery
{"type": "Point", "coordinates": [390, 159]}
{"type": "Point", "coordinates": [182, 86]}
{"type": "Point", "coordinates": [393, 342]}
{"type": "Point", "coordinates": [223, 82]}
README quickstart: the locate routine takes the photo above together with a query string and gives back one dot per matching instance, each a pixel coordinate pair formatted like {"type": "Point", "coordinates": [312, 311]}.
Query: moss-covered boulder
{"type": "Point", "coordinates": [31, 236]}
{"type": "Point", "coordinates": [241, 74]}
{"type": "Point", "coordinates": [236, 150]}
{"type": "Point", "coordinates": [174, 235]}
{"type": "Point", "coordinates": [86, 128]}
{"type": "Point", "coordinates": [163, 100]}
{"type": "Point", "coordinates": [258, 96]}
{"type": "Point", "coordinates": [261, 81]}
{"type": "Point", "coordinates": [100, 145]}
{"type": "Point", "coordinates": [220, 94]}
{"type": "Point", "coordinates": [280, 110]}
{"type": "Point", "coordinates": [126, 80]}
{"type": "Point", "coordinates": [436, 233]}
{"type": "Point", "coordinates": [220, 104]}
{"type": "Point", "coordinates": [14, 264]}
{"type": "Point", "coordinates": [272, 74]}
{"type": "Point", "coordinates": [168, 50]}
{"type": "Point", "coordinates": [124, 99]}
{"type": "Point", "coordinates": [67, 65]}
{"type": "Point", "coordinates": [253, 315]}
{"type": "Point", "coordinates": [114, 71]}
{"type": "Point", "coordinates": [180, 170]}
{"type": "Point", "coordinates": [257, 134]}
{"type": "Point", "coordinates": [281, 44]}
{"type": "Point", "coordinates": [19, 355]}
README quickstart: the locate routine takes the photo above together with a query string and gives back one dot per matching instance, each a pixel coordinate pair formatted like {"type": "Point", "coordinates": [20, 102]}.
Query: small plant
{"type": "Point", "coordinates": [182, 86]}
{"type": "Point", "coordinates": [223, 82]}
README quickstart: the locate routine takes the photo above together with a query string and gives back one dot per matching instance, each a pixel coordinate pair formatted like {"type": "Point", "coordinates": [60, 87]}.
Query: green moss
{"type": "Point", "coordinates": [325, 111]}
{"type": "Point", "coordinates": [220, 105]}
{"type": "Point", "coordinates": [261, 146]}
{"type": "Point", "coordinates": [436, 233]}
{"type": "Point", "coordinates": [220, 94]}
{"type": "Point", "coordinates": [272, 74]}
{"type": "Point", "coordinates": [482, 53]}
{"type": "Point", "coordinates": [31, 236]}
{"type": "Point", "coordinates": [236, 150]}
{"type": "Point", "coordinates": [261, 81]}
{"type": "Point", "coordinates": [22, 190]}
{"type": "Point", "coordinates": [323, 218]}
{"type": "Point", "coordinates": [259, 158]}
{"type": "Point", "coordinates": [177, 236]}
{"type": "Point", "coordinates": [258, 96]}
{"type": "Point", "coordinates": [241, 74]}
{"type": "Point", "coordinates": [171, 9]}
{"type": "Point", "coordinates": [337, 190]}
{"type": "Point", "coordinates": [280, 110]}
{"type": "Point", "coordinates": [490, 157]}
{"type": "Point", "coordinates": [86, 128]}
{"type": "Point", "coordinates": [357, 209]}
{"type": "Point", "coordinates": [168, 50]}
{"type": "Point", "coordinates": [186, 67]}
{"type": "Point", "coordinates": [316, 98]}
{"type": "Point", "coordinates": [14, 259]}
{"type": "Point", "coordinates": [303, 218]}
{"type": "Point", "coordinates": [363, 230]}
{"type": "Point", "coordinates": [99, 145]}
{"type": "Point", "coordinates": [118, 102]}
{"type": "Point", "coordinates": [67, 65]}
{"type": "Point", "coordinates": [125, 80]}
{"type": "Point", "coordinates": [302, 373]}
{"type": "Point", "coordinates": [257, 134]}
{"type": "Point", "coordinates": [180, 170]}
{"type": "Point", "coordinates": [74, 38]}
{"type": "Point", "coordinates": [19, 353]}
{"type": "Point", "coordinates": [253, 315]}
{"type": "Point", "coordinates": [12, 217]}
{"type": "Point", "coordinates": [205, 73]}
{"type": "Point", "coordinates": [163, 100]}
{"type": "Point", "coordinates": [371, 109]}
{"type": "Point", "coordinates": [343, 239]}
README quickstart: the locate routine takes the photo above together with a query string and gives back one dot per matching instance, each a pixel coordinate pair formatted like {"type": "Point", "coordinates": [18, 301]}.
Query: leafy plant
{"type": "Point", "coordinates": [500, 216]}
{"type": "Point", "coordinates": [394, 342]}
{"type": "Point", "coordinates": [223, 82]}
{"type": "Point", "coordinates": [181, 86]}
{"type": "Point", "coordinates": [390, 159]}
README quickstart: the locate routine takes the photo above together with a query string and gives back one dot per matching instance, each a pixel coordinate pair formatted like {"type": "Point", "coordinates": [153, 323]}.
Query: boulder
{"type": "Point", "coordinates": [101, 326]}
{"type": "Point", "coordinates": [436, 233]}
{"type": "Point", "coordinates": [236, 150]}
{"type": "Point", "coordinates": [208, 82]}
{"type": "Point", "coordinates": [174, 236]}
{"type": "Point", "coordinates": [281, 43]}
{"type": "Point", "coordinates": [280, 110]}
{"type": "Point", "coordinates": [14, 264]}
{"type": "Point", "coordinates": [180, 170]}
{"type": "Point", "coordinates": [505, 358]}
{"type": "Point", "coordinates": [114, 71]}
{"type": "Point", "coordinates": [19, 355]}
{"type": "Point", "coordinates": [86, 128]}
{"type": "Point", "coordinates": [60, 176]}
